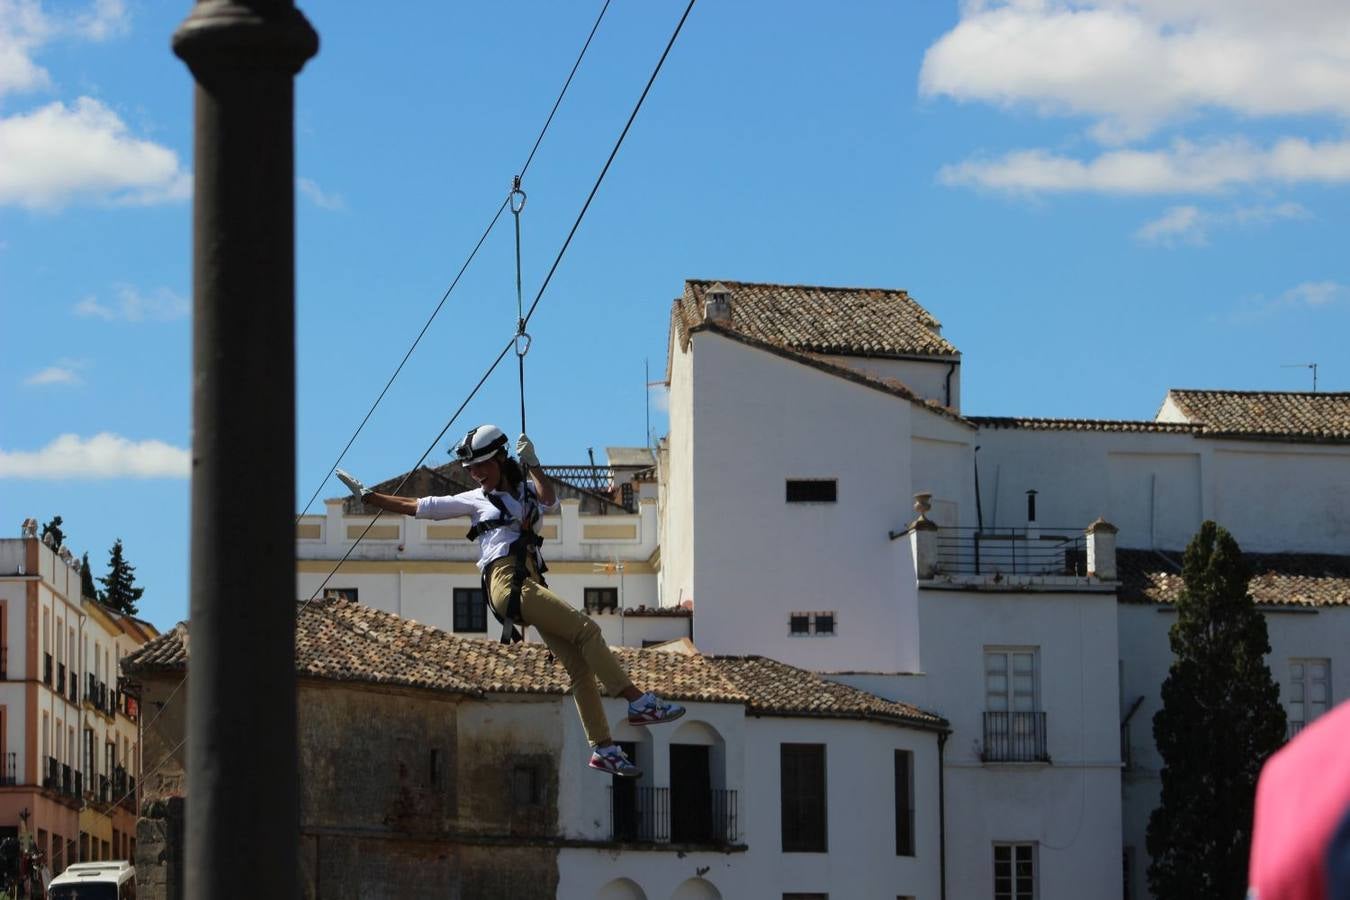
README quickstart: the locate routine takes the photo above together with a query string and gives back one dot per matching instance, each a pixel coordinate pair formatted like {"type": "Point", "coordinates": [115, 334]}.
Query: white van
{"type": "Point", "coordinates": [95, 881]}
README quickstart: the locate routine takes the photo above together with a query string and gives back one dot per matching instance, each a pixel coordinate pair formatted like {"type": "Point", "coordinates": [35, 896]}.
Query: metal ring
{"type": "Point", "coordinates": [515, 209]}
{"type": "Point", "coordinates": [528, 341]}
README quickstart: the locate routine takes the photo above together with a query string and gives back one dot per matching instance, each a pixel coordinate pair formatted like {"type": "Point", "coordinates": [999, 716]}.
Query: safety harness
{"type": "Point", "coordinates": [522, 549]}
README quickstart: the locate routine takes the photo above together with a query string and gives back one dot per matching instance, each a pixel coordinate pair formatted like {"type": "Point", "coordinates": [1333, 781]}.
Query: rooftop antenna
{"type": "Point", "coordinates": [1312, 366]}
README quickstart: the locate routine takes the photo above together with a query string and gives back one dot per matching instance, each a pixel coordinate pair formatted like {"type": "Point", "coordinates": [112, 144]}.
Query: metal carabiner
{"type": "Point", "coordinates": [522, 333]}
{"type": "Point", "coordinates": [516, 206]}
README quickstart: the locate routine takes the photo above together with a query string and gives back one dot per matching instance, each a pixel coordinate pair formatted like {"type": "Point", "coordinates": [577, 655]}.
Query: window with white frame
{"type": "Point", "coordinates": [1014, 725]}
{"type": "Point", "coordinates": [1309, 691]}
{"type": "Point", "coordinates": [1014, 871]}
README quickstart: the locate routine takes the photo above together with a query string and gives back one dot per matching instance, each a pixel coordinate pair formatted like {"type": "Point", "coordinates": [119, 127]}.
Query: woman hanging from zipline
{"type": "Point", "coordinates": [505, 511]}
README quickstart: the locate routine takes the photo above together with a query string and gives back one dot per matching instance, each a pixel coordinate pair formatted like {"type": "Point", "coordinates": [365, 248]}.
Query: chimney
{"type": "Point", "coordinates": [1101, 549]}
{"type": "Point", "coordinates": [717, 304]}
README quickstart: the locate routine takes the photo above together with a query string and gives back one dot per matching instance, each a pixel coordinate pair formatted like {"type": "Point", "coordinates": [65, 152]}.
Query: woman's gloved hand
{"type": "Point", "coordinates": [358, 489]}
{"type": "Point", "coordinates": [525, 453]}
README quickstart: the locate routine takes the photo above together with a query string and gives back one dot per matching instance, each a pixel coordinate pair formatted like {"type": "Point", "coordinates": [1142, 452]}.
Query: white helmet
{"type": "Point", "coordinates": [481, 443]}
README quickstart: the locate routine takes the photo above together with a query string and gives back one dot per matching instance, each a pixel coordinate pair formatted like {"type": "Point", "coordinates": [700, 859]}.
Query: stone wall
{"type": "Point", "coordinates": [159, 851]}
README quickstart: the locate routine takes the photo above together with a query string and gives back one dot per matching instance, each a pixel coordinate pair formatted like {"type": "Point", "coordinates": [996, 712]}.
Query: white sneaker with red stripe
{"type": "Point", "coordinates": [613, 760]}
{"type": "Point", "coordinates": [650, 709]}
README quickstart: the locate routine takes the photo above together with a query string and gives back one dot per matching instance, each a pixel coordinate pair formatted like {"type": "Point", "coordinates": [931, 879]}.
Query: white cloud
{"type": "Point", "coordinates": [65, 371]}
{"type": "Point", "coordinates": [25, 27]}
{"type": "Point", "coordinates": [1185, 167]}
{"type": "Point", "coordinates": [316, 195]}
{"type": "Point", "coordinates": [102, 456]}
{"type": "Point", "coordinates": [1192, 225]}
{"type": "Point", "coordinates": [1133, 65]}
{"type": "Point", "coordinates": [132, 306]}
{"type": "Point", "coordinates": [1307, 296]}
{"type": "Point", "coordinates": [56, 154]}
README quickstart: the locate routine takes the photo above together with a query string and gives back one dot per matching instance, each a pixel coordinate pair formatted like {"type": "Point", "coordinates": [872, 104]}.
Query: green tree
{"type": "Point", "coordinates": [119, 585]}
{"type": "Point", "coordinates": [87, 588]}
{"type": "Point", "coordinates": [1220, 720]}
{"type": "Point", "coordinates": [54, 529]}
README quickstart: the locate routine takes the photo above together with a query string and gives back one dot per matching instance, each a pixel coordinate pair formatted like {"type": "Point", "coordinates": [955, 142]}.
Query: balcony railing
{"type": "Point", "coordinates": [128, 797]}
{"type": "Point", "coordinates": [11, 774]}
{"type": "Point", "coordinates": [61, 678]}
{"type": "Point", "coordinates": [1014, 737]}
{"type": "Point", "coordinates": [1012, 551]}
{"type": "Point", "coordinates": [47, 669]}
{"type": "Point", "coordinates": [53, 777]}
{"type": "Point", "coordinates": [67, 782]}
{"type": "Point", "coordinates": [644, 815]}
{"type": "Point", "coordinates": [104, 789]}
{"type": "Point", "coordinates": [74, 688]}
{"type": "Point", "coordinates": [90, 687]}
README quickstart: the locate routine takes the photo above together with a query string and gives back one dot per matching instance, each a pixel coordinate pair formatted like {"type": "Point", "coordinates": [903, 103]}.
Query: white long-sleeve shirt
{"type": "Point", "coordinates": [496, 543]}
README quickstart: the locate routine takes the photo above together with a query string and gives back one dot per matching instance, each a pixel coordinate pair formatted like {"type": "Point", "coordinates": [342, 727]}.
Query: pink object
{"type": "Point", "coordinates": [1302, 796]}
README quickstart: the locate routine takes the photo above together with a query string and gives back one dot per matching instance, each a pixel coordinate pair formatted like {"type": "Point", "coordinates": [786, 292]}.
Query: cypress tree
{"type": "Point", "coordinates": [1220, 720]}
{"type": "Point", "coordinates": [87, 588]}
{"type": "Point", "coordinates": [119, 585]}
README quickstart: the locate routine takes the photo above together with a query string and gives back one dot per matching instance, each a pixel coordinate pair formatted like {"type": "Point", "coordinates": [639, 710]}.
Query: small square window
{"type": "Point", "coordinates": [802, 624]}
{"type": "Point", "coordinates": [525, 785]}
{"type": "Point", "coordinates": [601, 599]}
{"type": "Point", "coordinates": [470, 612]}
{"type": "Point", "coordinates": [812, 490]}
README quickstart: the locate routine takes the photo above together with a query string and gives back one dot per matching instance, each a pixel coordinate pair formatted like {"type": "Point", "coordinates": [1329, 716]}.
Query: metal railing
{"type": "Point", "coordinates": [104, 789]}
{"type": "Point", "coordinates": [47, 669]}
{"type": "Point", "coordinates": [53, 777]}
{"type": "Point", "coordinates": [74, 688]}
{"type": "Point", "coordinates": [60, 679]}
{"type": "Point", "coordinates": [589, 478]}
{"type": "Point", "coordinates": [11, 774]}
{"type": "Point", "coordinates": [90, 687]}
{"type": "Point", "coordinates": [1012, 551]}
{"type": "Point", "coordinates": [644, 815]}
{"type": "Point", "coordinates": [1014, 737]}
{"type": "Point", "coordinates": [67, 781]}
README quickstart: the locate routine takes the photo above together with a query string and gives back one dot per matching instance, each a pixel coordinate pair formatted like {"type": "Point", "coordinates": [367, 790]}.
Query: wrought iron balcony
{"type": "Point", "coordinates": [53, 776]}
{"type": "Point", "coordinates": [47, 669]}
{"type": "Point", "coordinates": [74, 688]}
{"type": "Point", "coordinates": [11, 774]}
{"type": "Point", "coordinates": [67, 781]}
{"type": "Point", "coordinates": [90, 688]}
{"type": "Point", "coordinates": [1012, 551]}
{"type": "Point", "coordinates": [645, 815]}
{"type": "Point", "coordinates": [104, 789]}
{"type": "Point", "coordinates": [61, 678]}
{"type": "Point", "coordinates": [1014, 737]}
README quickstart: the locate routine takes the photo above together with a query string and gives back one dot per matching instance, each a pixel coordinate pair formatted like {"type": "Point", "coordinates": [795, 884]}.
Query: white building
{"type": "Point", "coordinates": [777, 782]}
{"type": "Point", "coordinates": [802, 421]}
{"type": "Point", "coordinates": [602, 549]}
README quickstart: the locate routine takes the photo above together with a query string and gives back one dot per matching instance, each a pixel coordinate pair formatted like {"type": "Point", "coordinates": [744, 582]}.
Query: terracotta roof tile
{"type": "Point", "coordinates": [833, 320]}
{"type": "Point", "coordinates": [1037, 423]}
{"type": "Point", "coordinates": [1273, 415]}
{"type": "Point", "coordinates": [1278, 579]}
{"type": "Point", "coordinates": [339, 640]}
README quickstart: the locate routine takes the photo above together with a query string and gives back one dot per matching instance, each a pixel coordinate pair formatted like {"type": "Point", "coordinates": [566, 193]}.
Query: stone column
{"type": "Point", "coordinates": [1101, 549]}
{"type": "Point", "coordinates": [243, 810]}
{"type": "Point", "coordinates": [923, 535]}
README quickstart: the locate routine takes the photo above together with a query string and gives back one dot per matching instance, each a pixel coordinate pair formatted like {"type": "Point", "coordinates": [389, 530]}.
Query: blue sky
{"type": "Point", "coordinates": [1100, 199]}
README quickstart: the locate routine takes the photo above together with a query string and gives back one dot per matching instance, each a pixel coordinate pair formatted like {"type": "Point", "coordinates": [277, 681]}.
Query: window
{"type": "Point", "coordinates": [803, 624]}
{"type": "Point", "coordinates": [802, 768]}
{"type": "Point", "coordinates": [340, 594]}
{"type": "Point", "coordinates": [1014, 871]}
{"type": "Point", "coordinates": [600, 599]}
{"type": "Point", "coordinates": [1014, 727]}
{"type": "Point", "coordinates": [812, 490]}
{"type": "Point", "coordinates": [470, 614]}
{"type": "Point", "coordinates": [904, 803]}
{"type": "Point", "coordinates": [525, 785]}
{"type": "Point", "coordinates": [1310, 691]}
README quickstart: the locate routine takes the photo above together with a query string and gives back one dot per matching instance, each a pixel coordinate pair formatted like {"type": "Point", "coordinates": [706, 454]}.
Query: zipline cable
{"type": "Point", "coordinates": [409, 474]}
{"type": "Point", "coordinates": [612, 154]}
{"type": "Point", "coordinates": [416, 341]}
{"type": "Point", "coordinates": [492, 224]}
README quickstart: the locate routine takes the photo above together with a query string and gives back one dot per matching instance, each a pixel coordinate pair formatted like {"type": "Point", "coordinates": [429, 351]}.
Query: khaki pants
{"type": "Point", "coordinates": [572, 637]}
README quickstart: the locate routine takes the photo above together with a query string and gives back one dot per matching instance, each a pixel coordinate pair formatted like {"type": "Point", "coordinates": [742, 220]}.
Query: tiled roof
{"type": "Point", "coordinates": [1278, 579]}
{"type": "Point", "coordinates": [839, 321]}
{"type": "Point", "coordinates": [1276, 415]}
{"type": "Point", "coordinates": [1044, 424]}
{"type": "Point", "coordinates": [816, 361]}
{"type": "Point", "coordinates": [338, 640]}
